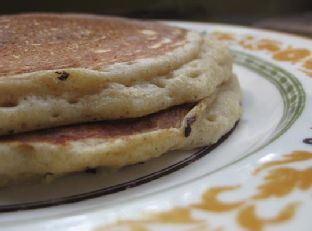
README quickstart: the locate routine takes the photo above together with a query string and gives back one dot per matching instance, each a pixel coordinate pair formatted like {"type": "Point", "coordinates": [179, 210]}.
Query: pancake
{"type": "Point", "coordinates": [66, 69]}
{"type": "Point", "coordinates": [119, 143]}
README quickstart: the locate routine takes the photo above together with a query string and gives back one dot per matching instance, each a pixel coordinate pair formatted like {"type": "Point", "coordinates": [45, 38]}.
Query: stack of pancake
{"type": "Point", "coordinates": [83, 91]}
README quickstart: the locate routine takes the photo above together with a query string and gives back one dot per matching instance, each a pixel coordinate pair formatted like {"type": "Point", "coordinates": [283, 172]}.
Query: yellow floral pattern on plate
{"type": "Point", "coordinates": [279, 181]}
{"type": "Point", "coordinates": [279, 51]}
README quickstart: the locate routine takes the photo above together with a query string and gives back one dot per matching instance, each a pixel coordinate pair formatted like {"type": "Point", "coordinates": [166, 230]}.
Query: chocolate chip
{"type": "Point", "coordinates": [188, 128]}
{"type": "Point", "coordinates": [63, 75]}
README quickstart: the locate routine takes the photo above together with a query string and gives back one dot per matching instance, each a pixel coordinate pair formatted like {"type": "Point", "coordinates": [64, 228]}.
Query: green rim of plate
{"type": "Point", "coordinates": [288, 86]}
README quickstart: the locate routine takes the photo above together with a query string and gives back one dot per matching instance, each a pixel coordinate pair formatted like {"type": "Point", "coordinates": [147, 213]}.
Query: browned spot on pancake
{"type": "Point", "coordinates": [170, 118]}
{"type": "Point", "coordinates": [34, 42]}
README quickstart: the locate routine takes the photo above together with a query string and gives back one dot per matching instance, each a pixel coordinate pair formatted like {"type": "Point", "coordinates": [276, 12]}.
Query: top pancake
{"type": "Point", "coordinates": [66, 69]}
{"type": "Point", "coordinates": [35, 42]}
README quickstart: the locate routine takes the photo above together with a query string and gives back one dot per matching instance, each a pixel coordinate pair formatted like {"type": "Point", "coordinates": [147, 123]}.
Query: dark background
{"type": "Point", "coordinates": [286, 13]}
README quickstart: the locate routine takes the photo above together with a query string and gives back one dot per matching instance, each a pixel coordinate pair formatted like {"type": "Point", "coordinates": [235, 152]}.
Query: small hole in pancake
{"type": "Point", "coordinates": [194, 74]}
{"type": "Point", "coordinates": [128, 85]}
{"type": "Point", "coordinates": [130, 62]}
{"type": "Point", "coordinates": [9, 104]}
{"type": "Point", "coordinates": [159, 84]}
{"type": "Point", "coordinates": [212, 118]}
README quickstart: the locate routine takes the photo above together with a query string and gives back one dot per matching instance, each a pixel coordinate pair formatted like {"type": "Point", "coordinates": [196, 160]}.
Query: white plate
{"type": "Point", "coordinates": [260, 178]}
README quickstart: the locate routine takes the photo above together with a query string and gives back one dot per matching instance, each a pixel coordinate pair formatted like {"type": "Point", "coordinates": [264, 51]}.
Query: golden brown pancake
{"type": "Point", "coordinates": [62, 69]}
{"type": "Point", "coordinates": [36, 42]}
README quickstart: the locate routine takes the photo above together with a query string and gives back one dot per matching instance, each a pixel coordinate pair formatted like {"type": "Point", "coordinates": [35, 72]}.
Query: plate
{"type": "Point", "coordinates": [258, 178]}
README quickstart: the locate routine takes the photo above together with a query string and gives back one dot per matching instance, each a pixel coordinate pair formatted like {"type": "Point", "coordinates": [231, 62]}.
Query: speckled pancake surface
{"type": "Point", "coordinates": [36, 42]}
{"type": "Point", "coordinates": [118, 143]}
{"type": "Point", "coordinates": [67, 69]}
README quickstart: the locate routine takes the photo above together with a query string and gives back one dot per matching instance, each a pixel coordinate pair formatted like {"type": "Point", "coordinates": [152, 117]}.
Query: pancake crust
{"type": "Point", "coordinates": [71, 149]}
